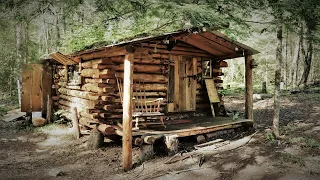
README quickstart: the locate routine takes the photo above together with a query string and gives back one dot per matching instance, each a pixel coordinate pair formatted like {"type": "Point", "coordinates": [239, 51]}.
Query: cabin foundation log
{"type": "Point", "coordinates": [201, 139]}
{"type": "Point", "coordinates": [172, 144]}
{"type": "Point", "coordinates": [95, 140]}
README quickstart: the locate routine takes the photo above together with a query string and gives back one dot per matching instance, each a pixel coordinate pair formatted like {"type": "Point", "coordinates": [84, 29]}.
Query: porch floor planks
{"type": "Point", "coordinates": [197, 126]}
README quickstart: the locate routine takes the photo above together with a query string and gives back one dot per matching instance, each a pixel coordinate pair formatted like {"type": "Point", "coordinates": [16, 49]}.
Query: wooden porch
{"type": "Point", "coordinates": [194, 126]}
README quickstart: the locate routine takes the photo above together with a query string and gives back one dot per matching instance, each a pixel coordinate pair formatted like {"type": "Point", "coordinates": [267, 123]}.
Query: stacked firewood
{"type": "Point", "coordinates": [93, 95]}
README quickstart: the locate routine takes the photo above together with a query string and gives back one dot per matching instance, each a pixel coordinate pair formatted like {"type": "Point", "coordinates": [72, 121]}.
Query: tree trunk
{"type": "Point", "coordinates": [57, 43]}
{"type": "Point", "coordinates": [277, 82]}
{"type": "Point", "coordinates": [286, 63]}
{"type": "Point", "coordinates": [294, 64]}
{"type": "Point", "coordinates": [307, 58]}
{"type": "Point", "coordinates": [18, 55]}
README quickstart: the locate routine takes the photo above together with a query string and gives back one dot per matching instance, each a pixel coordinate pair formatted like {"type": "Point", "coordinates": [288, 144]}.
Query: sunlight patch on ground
{"type": "Point", "coordinates": [56, 135]}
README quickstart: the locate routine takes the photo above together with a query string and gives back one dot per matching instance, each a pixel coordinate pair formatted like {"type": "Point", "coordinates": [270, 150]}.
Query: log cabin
{"type": "Point", "coordinates": [165, 86]}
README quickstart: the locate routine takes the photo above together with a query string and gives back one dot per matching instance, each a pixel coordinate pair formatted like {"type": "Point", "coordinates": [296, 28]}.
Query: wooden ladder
{"type": "Point", "coordinates": [212, 93]}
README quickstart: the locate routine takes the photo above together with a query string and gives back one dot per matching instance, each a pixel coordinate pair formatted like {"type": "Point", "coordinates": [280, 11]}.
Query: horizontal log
{"type": "Point", "coordinates": [146, 77]}
{"type": "Point", "coordinates": [56, 104]}
{"type": "Point", "coordinates": [95, 111]}
{"type": "Point", "coordinates": [62, 72]}
{"type": "Point", "coordinates": [137, 109]}
{"type": "Point", "coordinates": [81, 109]}
{"type": "Point", "coordinates": [106, 129]}
{"type": "Point", "coordinates": [79, 94]}
{"type": "Point", "coordinates": [89, 103]}
{"type": "Point", "coordinates": [96, 73]}
{"type": "Point", "coordinates": [105, 81]}
{"type": "Point", "coordinates": [73, 87]}
{"type": "Point", "coordinates": [151, 60]}
{"type": "Point", "coordinates": [108, 107]}
{"type": "Point", "coordinates": [102, 66]}
{"type": "Point", "coordinates": [108, 52]}
{"type": "Point", "coordinates": [88, 122]}
{"type": "Point", "coordinates": [55, 98]}
{"type": "Point", "coordinates": [55, 86]}
{"type": "Point", "coordinates": [103, 61]}
{"type": "Point", "coordinates": [148, 61]}
{"type": "Point", "coordinates": [149, 87]}
{"type": "Point", "coordinates": [137, 141]}
{"type": "Point", "coordinates": [62, 84]}
{"type": "Point", "coordinates": [65, 108]}
{"type": "Point", "coordinates": [142, 68]}
{"type": "Point", "coordinates": [77, 105]}
{"type": "Point", "coordinates": [94, 88]}
{"type": "Point", "coordinates": [158, 94]}
{"type": "Point", "coordinates": [94, 116]}
{"type": "Point", "coordinates": [162, 56]}
{"type": "Point", "coordinates": [142, 55]}
{"type": "Point", "coordinates": [107, 98]}
{"type": "Point", "coordinates": [149, 139]}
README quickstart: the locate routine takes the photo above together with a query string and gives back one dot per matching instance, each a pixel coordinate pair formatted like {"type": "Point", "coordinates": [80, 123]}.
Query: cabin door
{"type": "Point", "coordinates": [182, 84]}
{"type": "Point", "coordinates": [36, 86]}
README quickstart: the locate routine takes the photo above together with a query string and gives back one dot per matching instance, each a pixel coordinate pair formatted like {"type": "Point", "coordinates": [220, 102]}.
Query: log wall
{"type": "Point", "coordinates": [97, 98]}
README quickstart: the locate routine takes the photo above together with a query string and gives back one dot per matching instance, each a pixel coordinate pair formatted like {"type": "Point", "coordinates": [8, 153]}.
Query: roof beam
{"type": "Point", "coordinates": [216, 45]}
{"type": "Point", "coordinates": [224, 42]}
{"type": "Point", "coordinates": [193, 42]}
{"type": "Point", "coordinates": [229, 56]}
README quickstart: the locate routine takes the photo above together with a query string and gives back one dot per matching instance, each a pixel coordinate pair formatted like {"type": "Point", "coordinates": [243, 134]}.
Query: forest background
{"type": "Point", "coordinates": [286, 32]}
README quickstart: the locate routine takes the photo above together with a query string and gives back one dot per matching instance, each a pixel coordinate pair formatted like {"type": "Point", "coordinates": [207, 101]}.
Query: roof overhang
{"type": "Point", "coordinates": [213, 42]}
{"type": "Point", "coordinates": [216, 44]}
{"type": "Point", "coordinates": [59, 57]}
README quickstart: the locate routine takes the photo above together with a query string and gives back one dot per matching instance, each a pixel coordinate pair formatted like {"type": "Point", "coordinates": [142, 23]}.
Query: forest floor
{"type": "Point", "coordinates": [51, 152]}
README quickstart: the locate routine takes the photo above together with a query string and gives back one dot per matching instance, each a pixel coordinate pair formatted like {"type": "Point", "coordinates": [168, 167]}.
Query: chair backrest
{"type": "Point", "coordinates": [140, 102]}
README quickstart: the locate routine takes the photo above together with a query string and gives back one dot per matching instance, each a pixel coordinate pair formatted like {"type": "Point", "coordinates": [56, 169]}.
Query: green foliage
{"type": "Point", "coordinates": [306, 142]}
{"type": "Point", "coordinates": [81, 37]}
{"type": "Point", "coordinates": [43, 27]}
{"type": "Point", "coordinates": [292, 159]}
{"type": "Point", "coordinates": [3, 110]}
{"type": "Point", "coordinates": [57, 116]}
{"type": "Point", "coordinates": [232, 91]}
{"type": "Point", "coordinates": [270, 136]}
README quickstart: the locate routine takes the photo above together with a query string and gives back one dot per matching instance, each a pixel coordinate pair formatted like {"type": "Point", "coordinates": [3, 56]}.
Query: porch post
{"type": "Point", "coordinates": [249, 87]}
{"type": "Point", "coordinates": [127, 113]}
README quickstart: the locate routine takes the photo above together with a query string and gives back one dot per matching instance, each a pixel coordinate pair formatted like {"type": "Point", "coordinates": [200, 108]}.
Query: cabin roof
{"type": "Point", "coordinates": [215, 43]}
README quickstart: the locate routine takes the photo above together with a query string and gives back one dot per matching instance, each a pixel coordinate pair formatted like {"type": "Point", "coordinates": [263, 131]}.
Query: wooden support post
{"type": "Point", "coordinates": [49, 109]}
{"type": "Point", "coordinates": [75, 123]}
{"type": "Point", "coordinates": [127, 113]}
{"type": "Point", "coordinates": [249, 88]}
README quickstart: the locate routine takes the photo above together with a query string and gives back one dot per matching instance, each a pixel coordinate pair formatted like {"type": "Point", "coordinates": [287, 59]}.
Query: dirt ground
{"type": "Point", "coordinates": [51, 152]}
